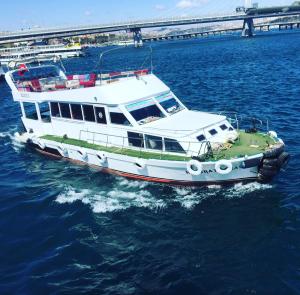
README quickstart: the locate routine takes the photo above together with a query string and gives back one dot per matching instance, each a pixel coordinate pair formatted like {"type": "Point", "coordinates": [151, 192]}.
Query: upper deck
{"type": "Point", "coordinates": [49, 83]}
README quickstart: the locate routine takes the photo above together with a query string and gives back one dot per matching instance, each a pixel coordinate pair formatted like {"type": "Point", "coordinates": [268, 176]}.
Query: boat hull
{"type": "Point", "coordinates": [159, 171]}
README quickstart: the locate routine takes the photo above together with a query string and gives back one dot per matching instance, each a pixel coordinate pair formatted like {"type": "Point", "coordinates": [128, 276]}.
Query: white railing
{"type": "Point", "coordinates": [197, 149]}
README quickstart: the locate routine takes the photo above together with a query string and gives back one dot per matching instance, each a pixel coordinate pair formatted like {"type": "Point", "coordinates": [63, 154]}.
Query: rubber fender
{"type": "Point", "coordinates": [283, 159]}
{"type": "Point", "coordinates": [268, 172]}
{"type": "Point", "coordinates": [270, 162]}
{"type": "Point", "coordinates": [274, 151]}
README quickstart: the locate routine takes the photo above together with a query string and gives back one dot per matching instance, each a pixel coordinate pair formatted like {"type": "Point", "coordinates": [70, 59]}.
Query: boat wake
{"type": "Point", "coordinates": [125, 194]}
{"type": "Point", "coordinates": [10, 138]}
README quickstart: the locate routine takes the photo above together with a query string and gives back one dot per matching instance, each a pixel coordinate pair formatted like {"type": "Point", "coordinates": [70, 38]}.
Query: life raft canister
{"type": "Point", "coordinates": [194, 167]}
{"type": "Point", "coordinates": [223, 167]}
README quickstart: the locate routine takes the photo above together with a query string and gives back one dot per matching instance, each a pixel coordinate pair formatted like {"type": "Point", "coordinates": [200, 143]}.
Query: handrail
{"type": "Point", "coordinates": [204, 149]}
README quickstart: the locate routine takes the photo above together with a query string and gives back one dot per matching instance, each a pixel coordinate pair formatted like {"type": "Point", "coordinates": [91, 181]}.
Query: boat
{"type": "Point", "coordinates": [15, 56]}
{"type": "Point", "coordinates": [132, 124]}
{"type": "Point", "coordinates": [124, 43]}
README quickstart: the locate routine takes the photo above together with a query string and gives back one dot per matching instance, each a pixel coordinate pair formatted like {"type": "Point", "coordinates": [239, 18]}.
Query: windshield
{"type": "Point", "coordinates": [145, 111]}
{"type": "Point", "coordinates": [169, 103]}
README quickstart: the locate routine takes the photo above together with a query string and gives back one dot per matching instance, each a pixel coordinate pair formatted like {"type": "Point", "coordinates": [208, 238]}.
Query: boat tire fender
{"type": "Point", "coordinates": [275, 151]}
{"type": "Point", "coordinates": [194, 167]}
{"type": "Point", "coordinates": [283, 159]}
{"type": "Point", "coordinates": [220, 167]}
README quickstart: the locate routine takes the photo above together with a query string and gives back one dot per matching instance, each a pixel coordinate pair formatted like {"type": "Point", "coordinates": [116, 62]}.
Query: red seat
{"type": "Point", "coordinates": [36, 86]}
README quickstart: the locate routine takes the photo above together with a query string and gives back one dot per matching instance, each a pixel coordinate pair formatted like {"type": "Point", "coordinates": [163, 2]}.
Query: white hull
{"type": "Point", "coordinates": [163, 171]}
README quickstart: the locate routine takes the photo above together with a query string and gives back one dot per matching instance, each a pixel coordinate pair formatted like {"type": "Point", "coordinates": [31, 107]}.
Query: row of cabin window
{"type": "Point", "coordinates": [213, 132]}
{"type": "Point", "coordinates": [87, 113]}
{"type": "Point", "coordinates": [154, 142]}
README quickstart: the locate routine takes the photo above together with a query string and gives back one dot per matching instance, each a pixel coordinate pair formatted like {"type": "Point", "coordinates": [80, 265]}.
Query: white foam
{"type": "Point", "coordinates": [123, 195]}
{"type": "Point", "coordinates": [13, 139]}
{"type": "Point", "coordinates": [239, 190]}
{"type": "Point", "coordinates": [109, 201]}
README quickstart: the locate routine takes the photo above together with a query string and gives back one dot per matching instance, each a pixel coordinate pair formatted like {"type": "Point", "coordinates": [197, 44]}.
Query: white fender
{"type": "Point", "coordinates": [63, 150]}
{"type": "Point", "coordinates": [83, 153]}
{"type": "Point", "coordinates": [220, 167]}
{"type": "Point", "coordinates": [140, 163]}
{"type": "Point", "coordinates": [102, 156]}
{"type": "Point", "coordinates": [41, 144]}
{"type": "Point", "coordinates": [272, 134]}
{"type": "Point", "coordinates": [194, 167]}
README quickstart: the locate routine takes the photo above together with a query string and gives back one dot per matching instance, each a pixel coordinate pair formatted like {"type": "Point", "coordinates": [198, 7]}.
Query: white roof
{"type": "Point", "coordinates": [116, 93]}
{"type": "Point", "coordinates": [183, 123]}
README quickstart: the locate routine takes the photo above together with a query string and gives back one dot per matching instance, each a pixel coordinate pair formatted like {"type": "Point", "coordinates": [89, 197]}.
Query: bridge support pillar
{"type": "Point", "coordinates": [137, 37]}
{"type": "Point", "coordinates": [248, 28]}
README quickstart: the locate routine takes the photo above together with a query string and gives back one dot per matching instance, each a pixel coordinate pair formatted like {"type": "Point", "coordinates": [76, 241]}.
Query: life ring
{"type": "Point", "coordinates": [140, 164]}
{"type": "Point", "coordinates": [220, 167]}
{"type": "Point", "coordinates": [194, 167]}
{"type": "Point", "coordinates": [102, 156]}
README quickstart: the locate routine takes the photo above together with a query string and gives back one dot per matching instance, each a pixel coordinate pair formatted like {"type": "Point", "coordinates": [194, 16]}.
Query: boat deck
{"type": "Point", "coordinates": [248, 144]}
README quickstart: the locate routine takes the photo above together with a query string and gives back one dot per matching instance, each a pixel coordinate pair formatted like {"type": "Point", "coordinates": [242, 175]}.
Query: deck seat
{"type": "Point", "coordinates": [35, 85]}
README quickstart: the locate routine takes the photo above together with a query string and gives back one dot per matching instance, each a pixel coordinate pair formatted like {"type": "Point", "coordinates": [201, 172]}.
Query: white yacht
{"type": "Point", "coordinates": [15, 56]}
{"type": "Point", "coordinates": [131, 124]}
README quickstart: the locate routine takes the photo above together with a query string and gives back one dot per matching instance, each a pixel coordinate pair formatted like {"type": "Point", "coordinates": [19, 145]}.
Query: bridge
{"type": "Point", "coordinates": [289, 25]}
{"type": "Point", "coordinates": [136, 27]}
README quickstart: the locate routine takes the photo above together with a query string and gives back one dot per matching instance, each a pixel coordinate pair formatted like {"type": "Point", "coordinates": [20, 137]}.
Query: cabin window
{"type": "Point", "coordinates": [213, 132]}
{"type": "Point", "coordinates": [65, 110]}
{"type": "Point", "coordinates": [153, 142]}
{"type": "Point", "coordinates": [45, 112]}
{"type": "Point", "coordinates": [76, 112]}
{"type": "Point", "coordinates": [54, 109]}
{"type": "Point", "coordinates": [100, 115]}
{"type": "Point", "coordinates": [224, 127]}
{"type": "Point", "coordinates": [145, 111]}
{"type": "Point", "coordinates": [118, 118]}
{"type": "Point", "coordinates": [172, 145]}
{"type": "Point", "coordinates": [201, 137]}
{"type": "Point", "coordinates": [135, 139]}
{"type": "Point", "coordinates": [230, 129]}
{"type": "Point", "coordinates": [30, 110]}
{"type": "Point", "coordinates": [171, 106]}
{"type": "Point", "coordinates": [88, 112]}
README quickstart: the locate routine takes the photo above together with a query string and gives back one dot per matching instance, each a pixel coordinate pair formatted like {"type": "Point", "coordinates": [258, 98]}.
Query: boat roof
{"type": "Point", "coordinates": [184, 123]}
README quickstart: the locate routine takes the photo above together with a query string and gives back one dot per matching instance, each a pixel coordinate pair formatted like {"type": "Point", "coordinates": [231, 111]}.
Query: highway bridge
{"type": "Point", "coordinates": [289, 25]}
{"type": "Point", "coordinates": [136, 27]}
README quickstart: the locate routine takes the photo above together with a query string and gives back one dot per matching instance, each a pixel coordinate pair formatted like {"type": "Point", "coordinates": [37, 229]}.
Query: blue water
{"type": "Point", "coordinates": [67, 229]}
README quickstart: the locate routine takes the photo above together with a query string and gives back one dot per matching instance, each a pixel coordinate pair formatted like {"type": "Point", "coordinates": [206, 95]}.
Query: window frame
{"type": "Point", "coordinates": [33, 116]}
{"type": "Point", "coordinates": [150, 148]}
{"type": "Point", "coordinates": [76, 104]}
{"type": "Point", "coordinates": [121, 113]}
{"type": "Point", "coordinates": [141, 137]}
{"type": "Point", "coordinates": [214, 131]}
{"type": "Point", "coordinates": [104, 114]}
{"type": "Point", "coordinates": [93, 112]}
{"type": "Point", "coordinates": [65, 103]}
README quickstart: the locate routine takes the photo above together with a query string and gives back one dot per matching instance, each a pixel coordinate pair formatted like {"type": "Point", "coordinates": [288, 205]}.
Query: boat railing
{"type": "Point", "coordinates": [148, 144]}
{"type": "Point", "coordinates": [248, 122]}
